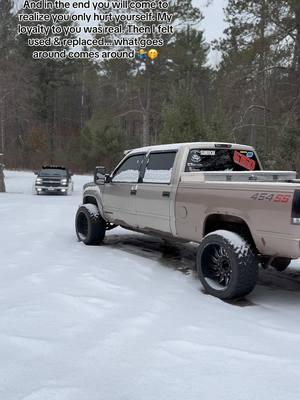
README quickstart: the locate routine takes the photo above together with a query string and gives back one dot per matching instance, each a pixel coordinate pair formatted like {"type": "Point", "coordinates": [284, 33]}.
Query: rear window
{"type": "Point", "coordinates": [221, 160]}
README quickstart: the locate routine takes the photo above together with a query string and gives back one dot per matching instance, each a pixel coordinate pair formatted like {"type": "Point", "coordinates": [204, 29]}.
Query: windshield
{"type": "Point", "coordinates": [53, 172]}
{"type": "Point", "coordinates": [221, 160]}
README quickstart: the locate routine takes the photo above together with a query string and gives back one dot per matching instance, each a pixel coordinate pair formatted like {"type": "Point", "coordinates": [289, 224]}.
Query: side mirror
{"type": "Point", "coordinates": [71, 173]}
{"type": "Point", "coordinates": [35, 172]}
{"type": "Point", "coordinates": [99, 175]}
{"type": "Point", "coordinates": [108, 178]}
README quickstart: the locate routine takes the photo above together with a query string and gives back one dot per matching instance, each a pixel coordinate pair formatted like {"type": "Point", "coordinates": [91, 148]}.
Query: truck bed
{"type": "Point", "coordinates": [237, 176]}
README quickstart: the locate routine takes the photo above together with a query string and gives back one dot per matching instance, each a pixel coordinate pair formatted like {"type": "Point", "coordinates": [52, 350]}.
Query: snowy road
{"type": "Point", "coordinates": [122, 322]}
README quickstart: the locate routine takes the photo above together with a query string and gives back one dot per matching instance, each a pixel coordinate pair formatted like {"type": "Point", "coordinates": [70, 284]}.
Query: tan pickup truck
{"type": "Point", "coordinates": [214, 194]}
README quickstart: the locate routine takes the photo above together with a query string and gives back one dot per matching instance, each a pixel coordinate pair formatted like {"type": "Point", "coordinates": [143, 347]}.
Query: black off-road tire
{"type": "Point", "coordinates": [281, 263]}
{"type": "Point", "coordinates": [227, 265]}
{"type": "Point", "coordinates": [90, 226]}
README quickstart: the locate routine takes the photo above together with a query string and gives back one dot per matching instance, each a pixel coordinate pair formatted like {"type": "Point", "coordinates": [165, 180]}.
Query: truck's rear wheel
{"type": "Point", "coordinates": [90, 226]}
{"type": "Point", "coordinates": [227, 266]}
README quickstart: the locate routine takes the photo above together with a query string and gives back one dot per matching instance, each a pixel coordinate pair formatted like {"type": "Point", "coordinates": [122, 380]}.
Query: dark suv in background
{"type": "Point", "coordinates": [53, 179]}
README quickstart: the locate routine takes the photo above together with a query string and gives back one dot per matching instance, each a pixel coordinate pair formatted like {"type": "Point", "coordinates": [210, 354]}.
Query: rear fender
{"type": "Point", "coordinates": [229, 222]}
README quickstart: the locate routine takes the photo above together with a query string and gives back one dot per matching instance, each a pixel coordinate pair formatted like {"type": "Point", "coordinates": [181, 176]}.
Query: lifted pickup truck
{"type": "Point", "coordinates": [53, 179]}
{"type": "Point", "coordinates": [214, 194]}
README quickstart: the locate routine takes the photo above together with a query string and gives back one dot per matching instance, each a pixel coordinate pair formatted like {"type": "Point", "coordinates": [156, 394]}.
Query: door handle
{"type": "Point", "coordinates": [166, 194]}
{"type": "Point", "coordinates": [133, 190]}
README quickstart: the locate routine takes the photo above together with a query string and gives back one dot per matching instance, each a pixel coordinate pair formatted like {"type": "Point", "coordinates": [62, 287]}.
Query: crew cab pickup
{"type": "Point", "coordinates": [214, 194]}
{"type": "Point", "coordinates": [53, 179]}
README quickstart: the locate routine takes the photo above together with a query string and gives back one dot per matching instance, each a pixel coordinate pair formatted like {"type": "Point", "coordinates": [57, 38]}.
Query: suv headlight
{"type": "Point", "coordinates": [39, 181]}
{"type": "Point", "coordinates": [64, 181]}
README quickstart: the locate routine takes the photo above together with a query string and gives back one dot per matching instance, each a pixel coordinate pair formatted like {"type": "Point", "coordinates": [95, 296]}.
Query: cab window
{"type": "Point", "coordinates": [159, 167]}
{"type": "Point", "coordinates": [200, 160]}
{"type": "Point", "coordinates": [130, 169]}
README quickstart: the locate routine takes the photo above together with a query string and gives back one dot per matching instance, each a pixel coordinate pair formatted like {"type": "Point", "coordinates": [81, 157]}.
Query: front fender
{"type": "Point", "coordinates": [92, 194]}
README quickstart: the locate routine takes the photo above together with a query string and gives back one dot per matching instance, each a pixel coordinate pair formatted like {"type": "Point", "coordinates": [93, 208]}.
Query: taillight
{"type": "Point", "coordinates": [296, 208]}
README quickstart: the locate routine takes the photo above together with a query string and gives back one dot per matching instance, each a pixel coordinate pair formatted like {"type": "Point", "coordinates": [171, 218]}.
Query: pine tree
{"type": "Point", "coordinates": [148, 90]}
{"type": "Point", "coordinates": [7, 67]}
{"type": "Point", "coordinates": [7, 30]}
{"type": "Point", "coordinates": [258, 79]}
{"type": "Point", "coordinates": [46, 87]}
{"type": "Point", "coordinates": [185, 113]}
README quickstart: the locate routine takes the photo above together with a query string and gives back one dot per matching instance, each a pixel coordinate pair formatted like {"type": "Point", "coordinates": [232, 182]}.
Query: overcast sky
{"type": "Point", "coordinates": [213, 23]}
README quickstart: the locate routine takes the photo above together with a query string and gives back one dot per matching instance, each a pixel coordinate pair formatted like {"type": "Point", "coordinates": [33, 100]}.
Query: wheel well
{"type": "Point", "coordinates": [90, 200]}
{"type": "Point", "coordinates": [232, 223]}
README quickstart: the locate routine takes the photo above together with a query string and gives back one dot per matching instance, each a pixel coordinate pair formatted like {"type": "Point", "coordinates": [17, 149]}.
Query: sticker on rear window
{"type": "Point", "coordinates": [196, 158]}
{"type": "Point", "coordinates": [208, 152]}
{"type": "Point", "coordinates": [244, 161]}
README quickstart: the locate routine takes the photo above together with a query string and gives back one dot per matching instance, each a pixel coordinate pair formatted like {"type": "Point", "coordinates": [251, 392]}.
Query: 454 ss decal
{"type": "Point", "coordinates": [272, 197]}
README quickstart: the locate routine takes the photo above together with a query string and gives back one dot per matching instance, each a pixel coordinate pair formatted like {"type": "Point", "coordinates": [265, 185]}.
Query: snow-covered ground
{"type": "Point", "coordinates": [121, 321]}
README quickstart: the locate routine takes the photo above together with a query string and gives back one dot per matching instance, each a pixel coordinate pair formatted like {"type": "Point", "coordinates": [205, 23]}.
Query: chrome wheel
{"type": "Point", "coordinates": [217, 268]}
{"type": "Point", "coordinates": [226, 265]}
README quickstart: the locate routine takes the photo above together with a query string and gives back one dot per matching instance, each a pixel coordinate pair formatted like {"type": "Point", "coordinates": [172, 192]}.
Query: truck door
{"type": "Point", "coordinates": [119, 198]}
{"type": "Point", "coordinates": [154, 194]}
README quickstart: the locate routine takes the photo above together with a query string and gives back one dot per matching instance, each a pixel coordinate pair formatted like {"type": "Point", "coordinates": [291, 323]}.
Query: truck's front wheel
{"type": "Point", "coordinates": [90, 226]}
{"type": "Point", "coordinates": [227, 266]}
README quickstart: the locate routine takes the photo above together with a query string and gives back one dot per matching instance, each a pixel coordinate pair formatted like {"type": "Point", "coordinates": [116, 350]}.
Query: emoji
{"type": "Point", "coordinates": [141, 54]}
{"type": "Point", "coordinates": [152, 54]}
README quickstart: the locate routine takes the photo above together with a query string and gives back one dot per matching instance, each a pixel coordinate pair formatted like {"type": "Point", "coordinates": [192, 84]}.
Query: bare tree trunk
{"type": "Point", "coordinates": [146, 128]}
{"type": "Point", "coordinates": [263, 65]}
{"type": "Point", "coordinates": [2, 128]}
{"type": "Point", "coordinates": [261, 81]}
{"type": "Point", "coordinates": [297, 75]}
{"type": "Point", "coordinates": [82, 105]}
{"type": "Point", "coordinates": [2, 184]}
{"type": "Point", "coordinates": [146, 113]}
